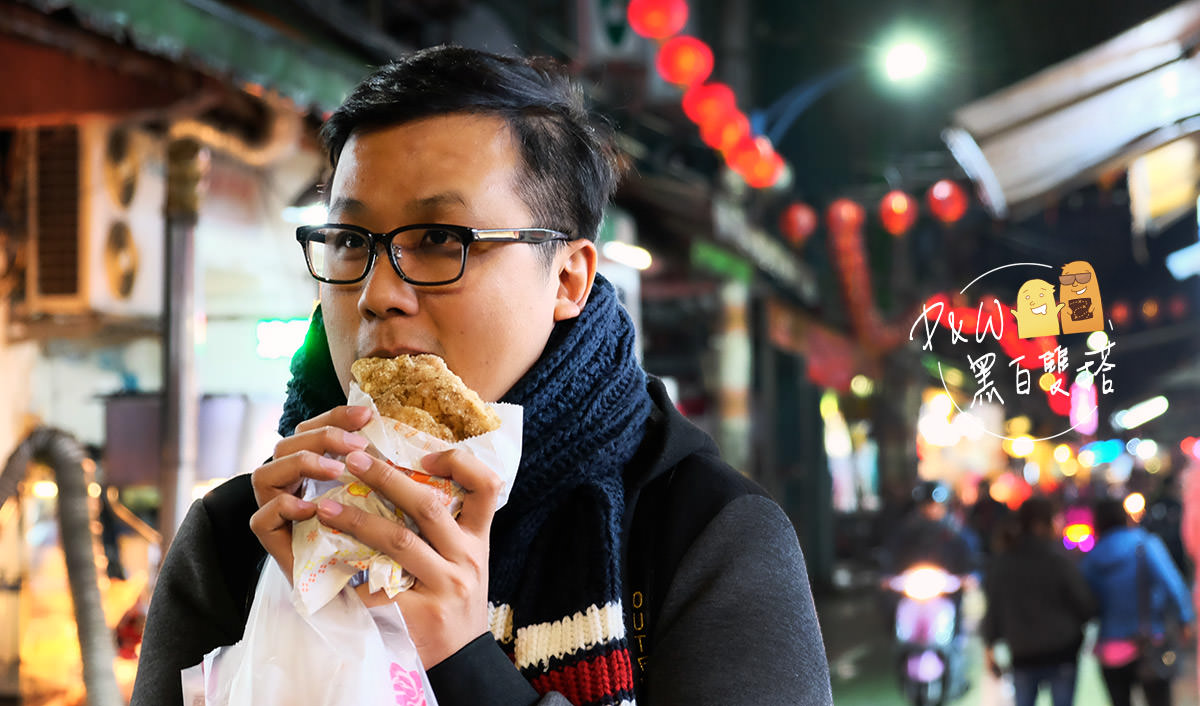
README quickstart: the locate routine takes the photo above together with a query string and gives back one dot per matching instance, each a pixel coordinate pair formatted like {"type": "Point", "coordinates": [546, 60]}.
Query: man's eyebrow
{"type": "Point", "coordinates": [440, 199]}
{"type": "Point", "coordinates": [343, 204]}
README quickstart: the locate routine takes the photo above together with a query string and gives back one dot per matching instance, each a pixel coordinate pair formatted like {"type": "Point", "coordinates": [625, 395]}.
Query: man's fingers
{"type": "Point", "coordinates": [480, 482]}
{"type": "Point", "coordinates": [272, 524]}
{"type": "Point", "coordinates": [327, 438]}
{"type": "Point", "coordinates": [308, 452]}
{"type": "Point", "coordinates": [283, 475]}
{"type": "Point", "coordinates": [426, 506]}
{"type": "Point", "coordinates": [386, 536]}
{"type": "Point", "coordinates": [350, 418]}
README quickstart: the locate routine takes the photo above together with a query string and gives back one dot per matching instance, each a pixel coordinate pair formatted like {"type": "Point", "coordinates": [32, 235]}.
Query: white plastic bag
{"type": "Point", "coordinates": [343, 654]}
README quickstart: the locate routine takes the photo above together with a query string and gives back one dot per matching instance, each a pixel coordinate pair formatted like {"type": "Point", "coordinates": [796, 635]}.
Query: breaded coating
{"type": "Point", "coordinates": [414, 417]}
{"type": "Point", "coordinates": [424, 381]}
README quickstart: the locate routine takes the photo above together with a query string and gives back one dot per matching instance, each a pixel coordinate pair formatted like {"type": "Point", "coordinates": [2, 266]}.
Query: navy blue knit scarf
{"type": "Point", "coordinates": [554, 546]}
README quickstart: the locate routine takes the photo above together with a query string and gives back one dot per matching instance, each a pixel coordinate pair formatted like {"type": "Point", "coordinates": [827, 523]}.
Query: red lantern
{"type": "Point", "coordinates": [947, 201]}
{"type": "Point", "coordinates": [742, 157]}
{"type": "Point", "coordinates": [1187, 445]}
{"type": "Point", "coordinates": [724, 132]}
{"type": "Point", "coordinates": [1177, 306]}
{"type": "Point", "coordinates": [766, 170]}
{"type": "Point", "coordinates": [657, 19]}
{"type": "Point", "coordinates": [797, 222]}
{"type": "Point", "coordinates": [1120, 313]}
{"type": "Point", "coordinates": [684, 60]}
{"type": "Point", "coordinates": [706, 102]}
{"type": "Point", "coordinates": [844, 214]}
{"type": "Point", "coordinates": [898, 211]}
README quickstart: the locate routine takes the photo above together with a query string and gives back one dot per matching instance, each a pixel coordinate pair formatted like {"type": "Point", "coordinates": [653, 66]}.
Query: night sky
{"type": "Point", "coordinates": [979, 46]}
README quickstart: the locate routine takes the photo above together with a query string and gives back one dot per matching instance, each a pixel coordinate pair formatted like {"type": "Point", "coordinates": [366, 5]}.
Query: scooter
{"type": "Point", "coordinates": [926, 633]}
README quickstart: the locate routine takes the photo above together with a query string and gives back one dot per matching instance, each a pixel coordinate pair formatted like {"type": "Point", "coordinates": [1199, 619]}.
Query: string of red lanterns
{"type": "Point", "coordinates": [898, 211]}
{"type": "Point", "coordinates": [688, 62]}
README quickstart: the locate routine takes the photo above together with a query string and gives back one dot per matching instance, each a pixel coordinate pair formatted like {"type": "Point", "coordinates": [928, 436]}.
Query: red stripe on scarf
{"type": "Point", "coordinates": [597, 680]}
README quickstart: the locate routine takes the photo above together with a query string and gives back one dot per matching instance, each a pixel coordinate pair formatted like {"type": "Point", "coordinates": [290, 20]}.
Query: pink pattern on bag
{"type": "Point", "coordinates": [408, 687]}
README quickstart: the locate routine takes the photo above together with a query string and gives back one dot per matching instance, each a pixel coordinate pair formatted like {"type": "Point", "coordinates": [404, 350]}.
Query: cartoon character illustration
{"type": "Point", "coordinates": [1080, 292]}
{"type": "Point", "coordinates": [1034, 316]}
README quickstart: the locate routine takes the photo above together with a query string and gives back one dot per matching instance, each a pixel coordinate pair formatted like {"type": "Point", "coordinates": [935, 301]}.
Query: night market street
{"type": "Point", "coordinates": [859, 645]}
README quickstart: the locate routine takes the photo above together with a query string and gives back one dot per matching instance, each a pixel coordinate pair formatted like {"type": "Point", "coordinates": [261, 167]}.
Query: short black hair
{"type": "Point", "coordinates": [570, 162]}
{"type": "Point", "coordinates": [1037, 511]}
{"type": "Point", "coordinates": [1108, 514]}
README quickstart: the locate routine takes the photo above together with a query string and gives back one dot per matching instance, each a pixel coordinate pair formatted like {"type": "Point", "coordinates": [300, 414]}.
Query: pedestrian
{"type": "Point", "coordinates": [986, 515]}
{"type": "Point", "coordinates": [1164, 517]}
{"type": "Point", "coordinates": [1190, 534]}
{"type": "Point", "coordinates": [1138, 589]}
{"type": "Point", "coordinates": [506, 175]}
{"type": "Point", "coordinates": [931, 535]}
{"type": "Point", "coordinates": [1038, 604]}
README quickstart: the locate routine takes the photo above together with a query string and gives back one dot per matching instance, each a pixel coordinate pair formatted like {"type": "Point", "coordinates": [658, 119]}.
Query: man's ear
{"type": "Point", "coordinates": [576, 267]}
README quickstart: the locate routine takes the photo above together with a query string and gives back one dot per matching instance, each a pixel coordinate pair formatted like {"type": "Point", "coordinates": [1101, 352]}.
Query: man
{"type": "Point", "coordinates": [1038, 603]}
{"type": "Point", "coordinates": [1138, 591]}
{"type": "Point", "coordinates": [502, 152]}
{"type": "Point", "coordinates": [928, 534]}
{"type": "Point", "coordinates": [1164, 518]}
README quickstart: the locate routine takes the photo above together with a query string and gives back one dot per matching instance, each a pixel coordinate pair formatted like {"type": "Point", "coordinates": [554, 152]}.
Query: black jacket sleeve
{"type": "Point", "coordinates": [480, 674]}
{"type": "Point", "coordinates": [191, 613]}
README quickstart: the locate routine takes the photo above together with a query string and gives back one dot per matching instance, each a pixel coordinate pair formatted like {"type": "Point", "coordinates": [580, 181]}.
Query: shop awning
{"type": "Point", "coordinates": [218, 40]}
{"type": "Point", "coordinates": [1096, 112]}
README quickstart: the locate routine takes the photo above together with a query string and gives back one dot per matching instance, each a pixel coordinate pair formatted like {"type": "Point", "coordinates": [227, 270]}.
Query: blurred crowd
{"type": "Point", "coordinates": [1099, 567]}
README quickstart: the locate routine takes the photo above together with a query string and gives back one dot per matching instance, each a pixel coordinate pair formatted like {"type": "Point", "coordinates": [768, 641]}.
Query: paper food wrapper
{"type": "Point", "coordinates": [326, 560]}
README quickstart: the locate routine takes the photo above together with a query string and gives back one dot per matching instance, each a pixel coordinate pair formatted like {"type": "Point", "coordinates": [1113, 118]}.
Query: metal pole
{"type": "Point", "coordinates": [186, 163]}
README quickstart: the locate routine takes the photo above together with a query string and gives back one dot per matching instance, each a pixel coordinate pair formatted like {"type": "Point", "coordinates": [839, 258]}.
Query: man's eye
{"type": "Point", "coordinates": [347, 240]}
{"type": "Point", "coordinates": [435, 237]}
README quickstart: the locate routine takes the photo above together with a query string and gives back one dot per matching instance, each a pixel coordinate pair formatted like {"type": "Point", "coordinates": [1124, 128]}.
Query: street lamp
{"type": "Point", "coordinates": [905, 61]}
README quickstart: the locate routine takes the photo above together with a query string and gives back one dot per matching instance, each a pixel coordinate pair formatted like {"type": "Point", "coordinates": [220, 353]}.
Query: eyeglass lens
{"type": "Point", "coordinates": [422, 254]}
{"type": "Point", "coordinates": [1081, 278]}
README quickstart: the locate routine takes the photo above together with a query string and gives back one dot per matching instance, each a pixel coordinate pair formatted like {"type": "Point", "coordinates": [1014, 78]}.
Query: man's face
{"type": "Point", "coordinates": [491, 325]}
{"type": "Point", "coordinates": [933, 511]}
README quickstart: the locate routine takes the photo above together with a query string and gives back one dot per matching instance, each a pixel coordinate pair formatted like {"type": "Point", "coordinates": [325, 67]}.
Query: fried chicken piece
{"type": "Point", "coordinates": [424, 382]}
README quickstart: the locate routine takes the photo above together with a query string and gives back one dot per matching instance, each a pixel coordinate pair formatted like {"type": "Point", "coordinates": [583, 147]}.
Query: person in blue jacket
{"type": "Point", "coordinates": [1112, 571]}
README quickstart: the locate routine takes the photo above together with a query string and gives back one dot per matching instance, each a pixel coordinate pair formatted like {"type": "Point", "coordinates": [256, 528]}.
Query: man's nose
{"type": "Point", "coordinates": [384, 292]}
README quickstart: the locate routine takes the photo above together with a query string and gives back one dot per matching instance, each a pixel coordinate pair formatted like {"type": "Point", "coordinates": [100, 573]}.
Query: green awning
{"type": "Point", "coordinates": [219, 40]}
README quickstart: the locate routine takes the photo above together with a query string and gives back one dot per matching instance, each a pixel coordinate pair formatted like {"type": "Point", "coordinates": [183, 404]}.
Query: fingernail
{"type": "Point", "coordinates": [330, 464]}
{"type": "Point", "coordinates": [330, 508]}
{"type": "Point", "coordinates": [358, 461]}
{"type": "Point", "coordinates": [356, 441]}
{"type": "Point", "coordinates": [304, 504]}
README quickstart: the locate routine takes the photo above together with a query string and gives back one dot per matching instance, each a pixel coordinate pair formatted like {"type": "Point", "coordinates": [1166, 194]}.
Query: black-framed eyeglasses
{"type": "Point", "coordinates": [425, 254]}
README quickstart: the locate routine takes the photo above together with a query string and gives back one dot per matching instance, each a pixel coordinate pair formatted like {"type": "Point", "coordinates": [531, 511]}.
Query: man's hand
{"type": "Point", "coordinates": [447, 606]}
{"type": "Point", "coordinates": [277, 482]}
